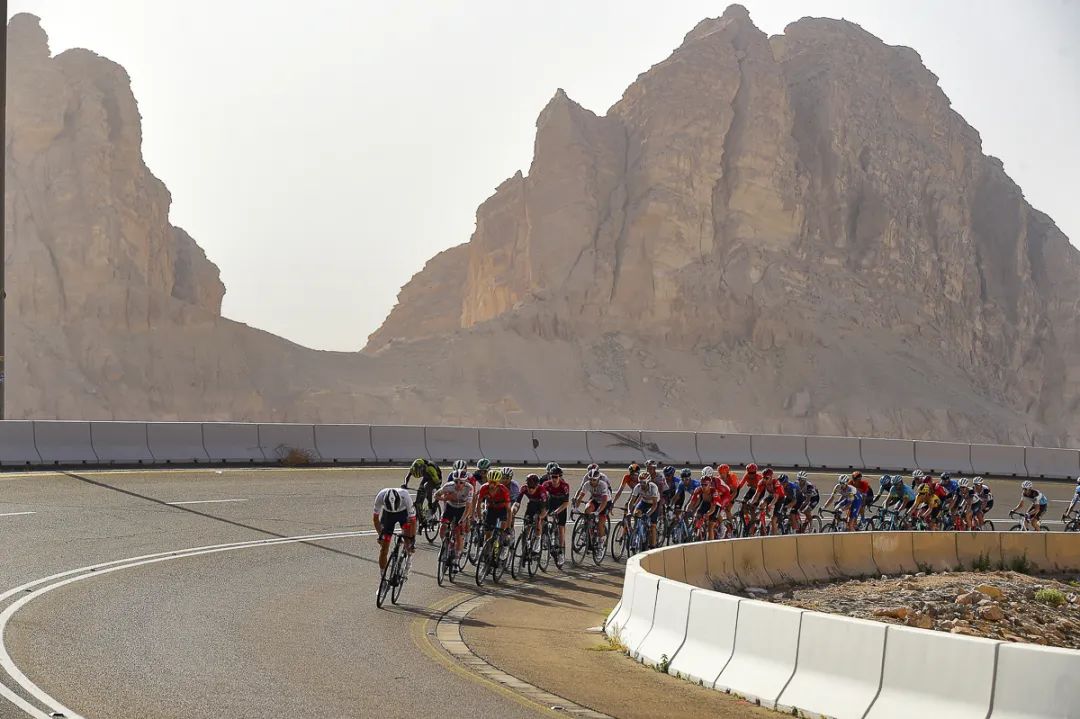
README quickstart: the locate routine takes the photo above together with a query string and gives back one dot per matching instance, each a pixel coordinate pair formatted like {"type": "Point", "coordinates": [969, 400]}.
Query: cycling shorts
{"type": "Point", "coordinates": [453, 514]}
{"type": "Point", "coordinates": [552, 505]}
{"type": "Point", "coordinates": [532, 510]}
{"type": "Point", "coordinates": [668, 493]}
{"type": "Point", "coordinates": [598, 505]}
{"type": "Point", "coordinates": [1038, 511]}
{"type": "Point", "coordinates": [705, 509]}
{"type": "Point", "coordinates": [391, 520]}
{"type": "Point", "coordinates": [647, 512]}
{"type": "Point", "coordinates": [493, 516]}
{"type": "Point", "coordinates": [809, 503]}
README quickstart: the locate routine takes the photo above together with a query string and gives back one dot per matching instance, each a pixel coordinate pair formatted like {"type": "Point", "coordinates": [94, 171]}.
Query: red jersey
{"type": "Point", "coordinates": [703, 494]}
{"type": "Point", "coordinates": [861, 486]}
{"type": "Point", "coordinates": [497, 496]}
{"type": "Point", "coordinates": [722, 493]}
{"type": "Point", "coordinates": [730, 480]}
{"type": "Point", "coordinates": [940, 491]}
{"type": "Point", "coordinates": [750, 479]}
{"type": "Point", "coordinates": [775, 488]}
{"type": "Point", "coordinates": [557, 489]}
{"type": "Point", "coordinates": [630, 480]}
{"type": "Point", "coordinates": [534, 494]}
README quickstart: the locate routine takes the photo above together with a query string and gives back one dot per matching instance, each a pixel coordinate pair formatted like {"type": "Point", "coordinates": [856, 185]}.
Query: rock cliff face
{"type": "Point", "coordinates": [787, 234]}
{"type": "Point", "coordinates": [793, 233]}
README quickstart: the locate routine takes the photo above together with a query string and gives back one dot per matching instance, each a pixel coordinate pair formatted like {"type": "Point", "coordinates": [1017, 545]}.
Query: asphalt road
{"type": "Point", "coordinates": [277, 630]}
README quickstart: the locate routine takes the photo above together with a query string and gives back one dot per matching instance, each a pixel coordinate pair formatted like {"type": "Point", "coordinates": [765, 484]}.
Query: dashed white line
{"type": "Point", "coordinates": [16, 514]}
{"type": "Point", "coordinates": [206, 501]}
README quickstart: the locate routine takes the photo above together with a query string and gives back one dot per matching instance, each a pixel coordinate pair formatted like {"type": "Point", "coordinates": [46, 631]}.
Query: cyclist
{"type": "Point", "coordinates": [900, 496]}
{"type": "Point", "coordinates": [963, 503]}
{"type": "Point", "coordinates": [629, 481]}
{"type": "Point", "coordinates": [917, 478]}
{"type": "Point", "coordinates": [809, 500]}
{"type": "Point", "coordinates": [535, 496]}
{"type": "Point", "coordinates": [668, 490]}
{"type": "Point", "coordinates": [771, 492]}
{"type": "Point", "coordinates": [515, 493]}
{"type": "Point", "coordinates": [839, 490]}
{"type": "Point", "coordinates": [750, 480]}
{"type": "Point", "coordinates": [645, 500]}
{"type": "Point", "coordinates": [458, 495]}
{"type": "Point", "coordinates": [982, 501]}
{"type": "Point", "coordinates": [788, 506]}
{"type": "Point", "coordinates": [479, 477]}
{"type": "Point", "coordinates": [1038, 500]}
{"type": "Point", "coordinates": [660, 480]}
{"type": "Point", "coordinates": [497, 496]}
{"type": "Point", "coordinates": [1074, 503]}
{"type": "Point", "coordinates": [558, 500]}
{"type": "Point", "coordinates": [926, 502]}
{"type": "Point", "coordinates": [863, 487]}
{"type": "Point", "coordinates": [685, 485]}
{"type": "Point", "coordinates": [703, 502]}
{"type": "Point", "coordinates": [596, 486]}
{"type": "Point", "coordinates": [430, 477]}
{"type": "Point", "coordinates": [724, 474]}
{"type": "Point", "coordinates": [393, 508]}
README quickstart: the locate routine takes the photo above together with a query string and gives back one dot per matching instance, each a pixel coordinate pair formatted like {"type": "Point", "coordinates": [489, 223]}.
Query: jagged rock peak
{"type": "Point", "coordinates": [27, 38]}
{"type": "Point", "coordinates": [734, 14]}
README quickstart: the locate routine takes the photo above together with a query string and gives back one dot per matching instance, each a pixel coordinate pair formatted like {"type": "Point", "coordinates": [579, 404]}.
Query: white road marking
{"type": "Point", "coordinates": [16, 514]}
{"type": "Point", "coordinates": [95, 570]}
{"type": "Point", "coordinates": [206, 501]}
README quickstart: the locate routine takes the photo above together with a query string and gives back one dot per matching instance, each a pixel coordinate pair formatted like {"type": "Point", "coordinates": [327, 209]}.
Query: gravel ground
{"type": "Point", "coordinates": [998, 605]}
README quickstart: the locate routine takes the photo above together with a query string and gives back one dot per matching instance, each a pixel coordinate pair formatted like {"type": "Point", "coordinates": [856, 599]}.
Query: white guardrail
{"type": "Point", "coordinates": [813, 664]}
{"type": "Point", "coordinates": [56, 442]}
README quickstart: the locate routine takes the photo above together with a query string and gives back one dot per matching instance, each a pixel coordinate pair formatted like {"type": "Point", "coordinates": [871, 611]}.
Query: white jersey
{"type": "Point", "coordinates": [394, 499]}
{"type": "Point", "coordinates": [454, 497]}
{"type": "Point", "coordinates": [659, 480]}
{"type": "Point", "coordinates": [646, 490]}
{"type": "Point", "coordinates": [602, 490]}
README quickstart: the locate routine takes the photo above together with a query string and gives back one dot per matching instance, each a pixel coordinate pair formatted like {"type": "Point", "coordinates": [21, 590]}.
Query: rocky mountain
{"type": "Point", "coordinates": [793, 234]}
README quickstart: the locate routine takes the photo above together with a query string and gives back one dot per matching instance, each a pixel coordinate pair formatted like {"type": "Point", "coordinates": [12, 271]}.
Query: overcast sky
{"type": "Point", "coordinates": [322, 151]}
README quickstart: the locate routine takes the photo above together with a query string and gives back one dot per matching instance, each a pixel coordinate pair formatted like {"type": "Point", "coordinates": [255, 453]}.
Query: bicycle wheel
{"type": "Point", "coordinates": [401, 574]}
{"type": "Point", "coordinates": [385, 576]}
{"type": "Point", "coordinates": [483, 563]}
{"type": "Point", "coordinates": [619, 542]}
{"type": "Point", "coordinates": [443, 562]}
{"type": "Point", "coordinates": [517, 556]}
{"type": "Point", "coordinates": [578, 540]}
{"type": "Point", "coordinates": [500, 560]}
{"type": "Point", "coordinates": [600, 544]}
{"type": "Point", "coordinates": [431, 527]}
{"type": "Point", "coordinates": [476, 543]}
{"type": "Point", "coordinates": [1015, 528]}
{"type": "Point", "coordinates": [543, 559]}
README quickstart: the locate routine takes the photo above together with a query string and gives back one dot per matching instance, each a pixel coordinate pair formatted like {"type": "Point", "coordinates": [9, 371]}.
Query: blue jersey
{"type": "Point", "coordinates": [515, 490]}
{"type": "Point", "coordinates": [950, 487]}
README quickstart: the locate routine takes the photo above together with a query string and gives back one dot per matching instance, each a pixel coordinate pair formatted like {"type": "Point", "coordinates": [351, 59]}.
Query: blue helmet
{"type": "Point", "coordinates": [686, 473]}
{"type": "Point", "coordinates": [669, 471]}
{"type": "Point", "coordinates": [886, 481]}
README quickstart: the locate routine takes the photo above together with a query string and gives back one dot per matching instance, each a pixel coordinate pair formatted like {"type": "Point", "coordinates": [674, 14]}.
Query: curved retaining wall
{"type": "Point", "coordinates": [52, 442]}
{"type": "Point", "coordinates": [835, 666]}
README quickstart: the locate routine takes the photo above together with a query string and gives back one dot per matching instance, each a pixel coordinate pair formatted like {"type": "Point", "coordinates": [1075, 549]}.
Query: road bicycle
{"type": "Point", "coordinates": [550, 547]}
{"type": "Point", "coordinates": [450, 562]}
{"type": "Point", "coordinates": [528, 550]}
{"type": "Point", "coordinates": [491, 559]}
{"type": "Point", "coordinates": [428, 518]}
{"type": "Point", "coordinates": [639, 535]}
{"type": "Point", "coordinates": [586, 539]}
{"type": "Point", "coordinates": [394, 575]}
{"type": "Point", "coordinates": [678, 531]}
{"type": "Point", "coordinates": [1025, 524]}
{"type": "Point", "coordinates": [1072, 521]}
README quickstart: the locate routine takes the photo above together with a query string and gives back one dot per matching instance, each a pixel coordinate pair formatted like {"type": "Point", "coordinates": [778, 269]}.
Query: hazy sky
{"type": "Point", "coordinates": [322, 151]}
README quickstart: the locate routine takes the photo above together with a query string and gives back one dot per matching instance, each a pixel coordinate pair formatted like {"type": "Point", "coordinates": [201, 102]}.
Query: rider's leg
{"type": "Point", "coordinates": [384, 550]}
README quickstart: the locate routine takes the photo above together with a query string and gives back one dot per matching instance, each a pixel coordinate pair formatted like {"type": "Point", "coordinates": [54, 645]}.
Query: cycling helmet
{"type": "Point", "coordinates": [924, 489]}
{"type": "Point", "coordinates": [802, 477]}
{"type": "Point", "coordinates": [651, 464]}
{"type": "Point", "coordinates": [1026, 484]}
{"type": "Point", "coordinates": [856, 474]}
{"type": "Point", "coordinates": [592, 466]}
{"type": "Point", "coordinates": [979, 480]}
{"type": "Point", "coordinates": [550, 466]}
{"type": "Point", "coordinates": [686, 473]}
{"type": "Point", "coordinates": [1078, 480]}
{"type": "Point", "coordinates": [532, 479]}
{"type": "Point", "coordinates": [417, 468]}
{"type": "Point", "coordinates": [459, 465]}
{"type": "Point", "coordinates": [886, 481]}
{"type": "Point", "coordinates": [945, 476]}
{"type": "Point", "coordinates": [593, 474]}
{"type": "Point", "coordinates": [724, 469]}
{"type": "Point", "coordinates": [964, 482]}
{"type": "Point", "coordinates": [707, 472]}
{"type": "Point", "coordinates": [634, 468]}
{"type": "Point", "coordinates": [751, 467]}
{"type": "Point", "coordinates": [768, 472]}
{"type": "Point", "coordinates": [669, 471]}
{"type": "Point", "coordinates": [459, 475]}
{"type": "Point", "coordinates": [508, 472]}
{"type": "Point", "coordinates": [393, 501]}
{"type": "Point", "coordinates": [917, 474]}
{"type": "Point", "coordinates": [784, 478]}
{"type": "Point", "coordinates": [557, 472]}
{"type": "Point", "coordinates": [897, 480]}
{"type": "Point", "coordinates": [843, 480]}
{"type": "Point", "coordinates": [483, 465]}
{"type": "Point", "coordinates": [495, 476]}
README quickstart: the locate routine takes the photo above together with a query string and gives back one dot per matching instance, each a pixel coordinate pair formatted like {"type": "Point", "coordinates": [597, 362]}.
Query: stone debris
{"type": "Point", "coordinates": [995, 605]}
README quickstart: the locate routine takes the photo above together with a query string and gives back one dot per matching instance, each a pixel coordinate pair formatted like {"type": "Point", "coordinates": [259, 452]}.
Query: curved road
{"type": "Point", "coordinates": [277, 629]}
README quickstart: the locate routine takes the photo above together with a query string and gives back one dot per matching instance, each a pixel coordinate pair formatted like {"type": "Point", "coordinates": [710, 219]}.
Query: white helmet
{"type": "Point", "coordinates": [707, 472]}
{"type": "Point", "coordinates": [508, 472]}
{"type": "Point", "coordinates": [593, 474]}
{"type": "Point", "coordinates": [1026, 484]}
{"type": "Point", "coordinates": [964, 482]}
{"type": "Point", "coordinates": [977, 481]}
{"type": "Point", "coordinates": [394, 501]}
{"type": "Point", "coordinates": [917, 474]}
{"type": "Point", "coordinates": [460, 465]}
{"type": "Point", "coordinates": [802, 477]}
{"type": "Point", "coordinates": [459, 474]}
{"type": "Point", "coordinates": [843, 479]}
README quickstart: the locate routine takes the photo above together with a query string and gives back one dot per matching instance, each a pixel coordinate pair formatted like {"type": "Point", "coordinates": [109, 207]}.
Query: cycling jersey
{"type": "Point", "coordinates": [629, 481]}
{"type": "Point", "coordinates": [930, 500]}
{"type": "Point", "coordinates": [514, 488]}
{"type": "Point", "coordinates": [658, 479]}
{"type": "Point", "coordinates": [774, 490]}
{"type": "Point", "coordinates": [602, 490]}
{"type": "Point", "coordinates": [475, 479]}
{"type": "Point", "coordinates": [682, 490]}
{"type": "Point", "coordinates": [534, 495]}
{"type": "Point", "coordinates": [646, 491]}
{"type": "Point", "coordinates": [431, 474]}
{"type": "Point", "coordinates": [497, 496]}
{"type": "Point", "coordinates": [950, 487]}
{"type": "Point", "coordinates": [902, 493]}
{"type": "Point", "coordinates": [730, 479]}
{"type": "Point", "coordinates": [455, 497]}
{"type": "Point", "coordinates": [1036, 498]}
{"type": "Point", "coordinates": [393, 500]}
{"type": "Point", "coordinates": [750, 479]}
{"type": "Point", "coordinates": [557, 491]}
{"type": "Point", "coordinates": [706, 498]}
{"type": "Point", "coordinates": [722, 494]}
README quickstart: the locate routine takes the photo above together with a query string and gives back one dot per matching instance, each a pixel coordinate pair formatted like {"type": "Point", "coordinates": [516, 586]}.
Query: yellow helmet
{"type": "Point", "coordinates": [924, 489]}
{"type": "Point", "coordinates": [494, 476]}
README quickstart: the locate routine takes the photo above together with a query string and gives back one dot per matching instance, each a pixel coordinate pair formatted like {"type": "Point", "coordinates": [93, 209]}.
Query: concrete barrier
{"type": "Point", "coordinates": [854, 553]}
{"type": "Point", "coordinates": [176, 442]}
{"type": "Point", "coordinates": [749, 562]}
{"type": "Point", "coordinates": [733, 449]}
{"type": "Point", "coordinates": [447, 444]}
{"type": "Point", "coordinates": [614, 623]}
{"type": "Point", "coordinates": [817, 560]}
{"type": "Point", "coordinates": [642, 608]}
{"type": "Point", "coordinates": [779, 450]}
{"type": "Point", "coordinates": [1034, 681]}
{"type": "Point", "coordinates": [232, 442]}
{"type": "Point", "coordinates": [17, 443]}
{"type": "Point", "coordinates": [675, 448]}
{"type": "Point", "coordinates": [998, 460]}
{"type": "Point", "coordinates": [1018, 546]}
{"type": "Point", "coordinates": [674, 563]}
{"type": "Point", "coordinates": [766, 648]}
{"type": "Point", "coordinates": [838, 671]}
{"type": "Point", "coordinates": [696, 564]}
{"type": "Point", "coordinates": [937, 457]}
{"type": "Point", "coordinates": [508, 445]}
{"type": "Point", "coordinates": [780, 558]}
{"type": "Point", "coordinates": [64, 442]}
{"type": "Point", "coordinates": [1063, 551]}
{"type": "Point", "coordinates": [710, 637]}
{"type": "Point", "coordinates": [669, 624]}
{"type": "Point", "coordinates": [888, 454]}
{"type": "Point", "coordinates": [936, 550]}
{"type": "Point", "coordinates": [120, 442]}
{"type": "Point", "coordinates": [561, 445]}
{"type": "Point", "coordinates": [834, 452]}
{"type": "Point", "coordinates": [978, 548]}
{"type": "Point", "coordinates": [893, 552]}
{"type": "Point", "coordinates": [277, 440]}
{"type": "Point", "coordinates": [720, 559]}
{"type": "Point", "coordinates": [1060, 463]}
{"type": "Point", "coordinates": [345, 443]}
{"type": "Point", "coordinates": [911, 651]}
{"type": "Point", "coordinates": [615, 447]}
{"type": "Point", "coordinates": [398, 444]}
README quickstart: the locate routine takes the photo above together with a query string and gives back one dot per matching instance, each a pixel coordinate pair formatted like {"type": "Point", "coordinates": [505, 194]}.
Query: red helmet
{"type": "Point", "coordinates": [724, 469]}
{"type": "Point", "coordinates": [768, 472]}
{"type": "Point", "coordinates": [751, 467]}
